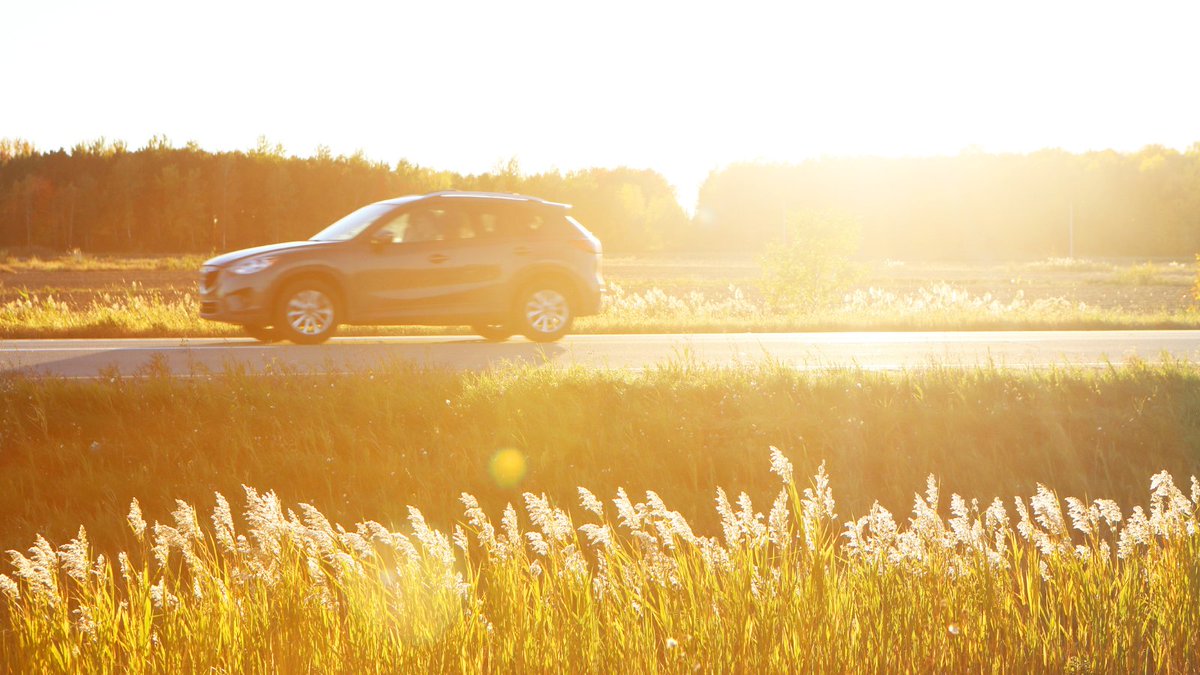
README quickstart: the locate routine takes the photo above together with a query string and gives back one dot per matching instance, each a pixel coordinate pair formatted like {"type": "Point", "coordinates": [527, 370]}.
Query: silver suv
{"type": "Point", "coordinates": [501, 263]}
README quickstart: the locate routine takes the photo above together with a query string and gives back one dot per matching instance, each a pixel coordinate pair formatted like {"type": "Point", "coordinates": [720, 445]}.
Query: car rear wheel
{"type": "Point", "coordinates": [261, 333]}
{"type": "Point", "coordinates": [544, 312]}
{"type": "Point", "coordinates": [494, 332]}
{"type": "Point", "coordinates": [307, 312]}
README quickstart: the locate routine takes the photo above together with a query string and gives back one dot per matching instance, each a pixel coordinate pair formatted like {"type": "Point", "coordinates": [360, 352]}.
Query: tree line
{"type": "Point", "coordinates": [974, 205]}
{"type": "Point", "coordinates": [104, 197]}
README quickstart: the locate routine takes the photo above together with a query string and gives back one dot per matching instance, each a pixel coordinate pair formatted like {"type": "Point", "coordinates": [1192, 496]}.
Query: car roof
{"type": "Point", "coordinates": [465, 194]}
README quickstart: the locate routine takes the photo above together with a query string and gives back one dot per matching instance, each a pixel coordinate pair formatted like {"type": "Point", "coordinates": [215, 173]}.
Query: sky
{"type": "Point", "coordinates": [680, 87]}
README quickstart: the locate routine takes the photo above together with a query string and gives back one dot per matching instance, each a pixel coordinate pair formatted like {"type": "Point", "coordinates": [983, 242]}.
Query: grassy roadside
{"type": "Point", "coordinates": [138, 313]}
{"type": "Point", "coordinates": [372, 443]}
{"type": "Point", "coordinates": [154, 297]}
{"type": "Point", "coordinates": [661, 580]}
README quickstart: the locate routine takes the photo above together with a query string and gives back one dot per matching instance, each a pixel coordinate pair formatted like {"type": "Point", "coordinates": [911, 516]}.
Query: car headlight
{"type": "Point", "coordinates": [252, 265]}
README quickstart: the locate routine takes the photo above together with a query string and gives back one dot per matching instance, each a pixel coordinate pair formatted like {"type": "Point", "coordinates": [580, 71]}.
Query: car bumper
{"type": "Point", "coordinates": [592, 300]}
{"type": "Point", "coordinates": [231, 298]}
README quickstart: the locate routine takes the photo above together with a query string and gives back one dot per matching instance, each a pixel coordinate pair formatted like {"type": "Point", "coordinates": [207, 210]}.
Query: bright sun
{"type": "Point", "coordinates": [679, 88]}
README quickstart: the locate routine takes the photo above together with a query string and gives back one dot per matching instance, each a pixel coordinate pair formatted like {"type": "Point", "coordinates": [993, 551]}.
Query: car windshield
{"type": "Point", "coordinates": [353, 224]}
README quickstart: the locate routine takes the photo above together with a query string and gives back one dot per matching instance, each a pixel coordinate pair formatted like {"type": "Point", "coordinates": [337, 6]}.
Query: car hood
{"type": "Point", "coordinates": [234, 256]}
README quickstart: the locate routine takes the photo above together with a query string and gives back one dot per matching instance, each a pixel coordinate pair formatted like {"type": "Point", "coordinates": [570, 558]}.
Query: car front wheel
{"type": "Point", "coordinates": [544, 312]}
{"type": "Point", "coordinates": [307, 312]}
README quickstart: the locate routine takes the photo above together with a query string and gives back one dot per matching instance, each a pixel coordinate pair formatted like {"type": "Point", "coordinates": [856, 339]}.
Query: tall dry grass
{"type": "Point", "coordinates": [964, 586]}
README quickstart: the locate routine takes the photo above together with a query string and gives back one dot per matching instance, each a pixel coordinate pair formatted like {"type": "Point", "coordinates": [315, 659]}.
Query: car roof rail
{"type": "Point", "coordinates": [512, 196]}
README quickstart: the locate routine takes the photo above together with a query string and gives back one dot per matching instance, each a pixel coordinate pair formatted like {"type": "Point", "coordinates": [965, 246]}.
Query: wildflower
{"type": "Point", "coordinates": [961, 524]}
{"type": "Point", "coordinates": [780, 466]}
{"type": "Point", "coordinates": [222, 521]}
{"type": "Point", "coordinates": [818, 501]}
{"type": "Point", "coordinates": [435, 543]}
{"type": "Point", "coordinates": [136, 523]}
{"type": "Point", "coordinates": [460, 538]}
{"type": "Point", "coordinates": [317, 529]}
{"type": "Point", "coordinates": [598, 535]}
{"type": "Point", "coordinates": [185, 521]}
{"type": "Point", "coordinates": [39, 570]}
{"type": "Point", "coordinates": [1109, 511]}
{"type": "Point", "coordinates": [996, 517]}
{"type": "Point", "coordinates": [484, 532]}
{"type": "Point", "coordinates": [405, 547]}
{"type": "Point", "coordinates": [165, 538]}
{"type": "Point", "coordinates": [161, 597]}
{"type": "Point", "coordinates": [777, 522]}
{"type": "Point", "coordinates": [590, 503]}
{"type": "Point", "coordinates": [85, 624]}
{"type": "Point", "coordinates": [1136, 532]}
{"type": "Point", "coordinates": [126, 568]}
{"type": "Point", "coordinates": [1079, 516]}
{"type": "Point", "coordinates": [574, 566]}
{"type": "Point", "coordinates": [537, 543]}
{"type": "Point", "coordinates": [729, 522]}
{"type": "Point", "coordinates": [9, 587]}
{"type": "Point", "coordinates": [1045, 570]}
{"type": "Point", "coordinates": [554, 522]}
{"type": "Point", "coordinates": [74, 557]}
{"type": "Point", "coordinates": [508, 522]}
{"type": "Point", "coordinates": [628, 515]}
{"type": "Point", "coordinates": [1047, 512]}
{"type": "Point", "coordinates": [356, 542]}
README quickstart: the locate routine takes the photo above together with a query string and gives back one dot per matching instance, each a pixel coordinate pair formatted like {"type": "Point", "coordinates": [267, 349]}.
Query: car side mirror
{"type": "Point", "coordinates": [381, 238]}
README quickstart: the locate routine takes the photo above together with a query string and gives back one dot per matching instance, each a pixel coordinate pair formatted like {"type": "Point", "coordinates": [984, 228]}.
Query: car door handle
{"type": "Point", "coordinates": [521, 250]}
{"type": "Point", "coordinates": [438, 258]}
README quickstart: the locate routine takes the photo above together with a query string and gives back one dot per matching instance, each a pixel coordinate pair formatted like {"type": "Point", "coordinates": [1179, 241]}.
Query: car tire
{"type": "Point", "coordinates": [265, 334]}
{"type": "Point", "coordinates": [308, 312]}
{"type": "Point", "coordinates": [492, 332]}
{"type": "Point", "coordinates": [544, 312]}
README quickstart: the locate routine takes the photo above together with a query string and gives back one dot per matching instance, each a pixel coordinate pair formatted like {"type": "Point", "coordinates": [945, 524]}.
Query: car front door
{"type": "Point", "coordinates": [422, 266]}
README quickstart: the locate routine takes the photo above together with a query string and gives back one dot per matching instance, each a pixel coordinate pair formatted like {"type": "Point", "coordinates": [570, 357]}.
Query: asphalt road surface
{"type": "Point", "coordinates": [94, 358]}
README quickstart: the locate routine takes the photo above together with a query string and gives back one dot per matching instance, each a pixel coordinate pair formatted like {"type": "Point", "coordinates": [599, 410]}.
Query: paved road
{"type": "Point", "coordinates": [90, 358]}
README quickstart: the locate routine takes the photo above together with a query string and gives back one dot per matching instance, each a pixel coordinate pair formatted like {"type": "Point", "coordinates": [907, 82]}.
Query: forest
{"type": "Point", "coordinates": [103, 197]}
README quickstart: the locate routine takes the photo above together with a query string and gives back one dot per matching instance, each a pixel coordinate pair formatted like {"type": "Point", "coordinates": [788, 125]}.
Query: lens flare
{"type": "Point", "coordinates": [508, 467]}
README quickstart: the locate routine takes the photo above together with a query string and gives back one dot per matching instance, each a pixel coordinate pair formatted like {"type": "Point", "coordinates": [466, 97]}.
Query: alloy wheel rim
{"type": "Point", "coordinates": [546, 311]}
{"type": "Point", "coordinates": [310, 312]}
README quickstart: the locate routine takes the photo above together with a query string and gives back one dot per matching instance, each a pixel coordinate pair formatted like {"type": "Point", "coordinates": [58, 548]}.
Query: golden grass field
{"type": "Point", "coordinates": [406, 520]}
{"type": "Point", "coordinates": [82, 296]}
{"type": "Point", "coordinates": [691, 545]}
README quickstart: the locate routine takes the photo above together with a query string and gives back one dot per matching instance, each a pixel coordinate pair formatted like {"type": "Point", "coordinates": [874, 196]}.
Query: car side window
{"type": "Point", "coordinates": [395, 229]}
{"type": "Point", "coordinates": [425, 225]}
{"type": "Point", "coordinates": [459, 223]}
{"type": "Point", "coordinates": [415, 226]}
{"type": "Point", "coordinates": [516, 222]}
